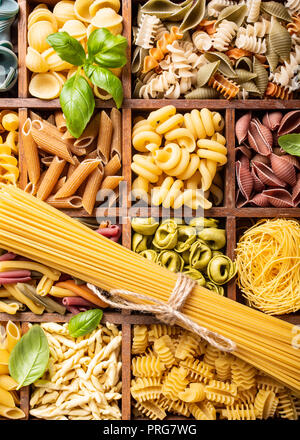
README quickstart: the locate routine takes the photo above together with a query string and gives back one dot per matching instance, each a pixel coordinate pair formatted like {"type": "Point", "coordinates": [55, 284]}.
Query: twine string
{"type": "Point", "coordinates": [168, 312]}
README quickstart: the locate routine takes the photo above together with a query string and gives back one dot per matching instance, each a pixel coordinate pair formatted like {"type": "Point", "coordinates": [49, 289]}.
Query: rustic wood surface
{"type": "Point", "coordinates": [130, 108]}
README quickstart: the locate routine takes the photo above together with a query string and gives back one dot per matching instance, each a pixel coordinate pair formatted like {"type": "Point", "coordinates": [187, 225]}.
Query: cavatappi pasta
{"type": "Point", "coordinates": [10, 333]}
{"type": "Point", "coordinates": [175, 373]}
{"type": "Point", "coordinates": [196, 249]}
{"type": "Point", "coordinates": [83, 380]}
{"type": "Point", "coordinates": [216, 49]}
{"type": "Point", "coordinates": [79, 19]}
{"type": "Point", "coordinates": [179, 158]}
{"type": "Point", "coordinates": [9, 147]}
{"type": "Point", "coordinates": [66, 172]}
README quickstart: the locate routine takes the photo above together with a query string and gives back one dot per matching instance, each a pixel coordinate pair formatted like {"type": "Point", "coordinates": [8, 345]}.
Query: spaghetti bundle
{"type": "Point", "coordinates": [268, 263]}
{"type": "Point", "coordinates": [40, 232]}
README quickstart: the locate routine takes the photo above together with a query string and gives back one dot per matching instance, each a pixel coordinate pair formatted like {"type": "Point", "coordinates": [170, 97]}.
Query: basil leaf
{"type": "Point", "coordinates": [29, 358]}
{"type": "Point", "coordinates": [290, 143]}
{"type": "Point", "coordinates": [78, 103]}
{"type": "Point", "coordinates": [67, 48]}
{"type": "Point", "coordinates": [106, 49]}
{"type": "Point", "coordinates": [106, 80]}
{"type": "Point", "coordinates": [84, 322]}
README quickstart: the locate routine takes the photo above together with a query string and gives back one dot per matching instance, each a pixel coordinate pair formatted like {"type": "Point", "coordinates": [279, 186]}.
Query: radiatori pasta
{"type": "Point", "coordinates": [10, 334]}
{"type": "Point", "coordinates": [175, 372]}
{"type": "Point", "coordinates": [79, 19]}
{"type": "Point", "coordinates": [9, 147]}
{"type": "Point", "coordinates": [179, 158]}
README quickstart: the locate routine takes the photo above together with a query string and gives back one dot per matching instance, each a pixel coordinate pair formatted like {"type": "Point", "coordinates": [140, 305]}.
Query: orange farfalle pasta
{"type": "Point", "coordinates": [276, 91]}
{"type": "Point", "coordinates": [157, 53]}
{"type": "Point", "coordinates": [224, 86]}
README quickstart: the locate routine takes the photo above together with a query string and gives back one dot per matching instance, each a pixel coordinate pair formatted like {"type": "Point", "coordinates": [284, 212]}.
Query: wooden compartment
{"type": "Point", "coordinates": [233, 215]}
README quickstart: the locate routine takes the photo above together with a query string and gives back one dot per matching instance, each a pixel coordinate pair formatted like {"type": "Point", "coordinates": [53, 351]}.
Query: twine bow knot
{"type": "Point", "coordinates": [167, 312]}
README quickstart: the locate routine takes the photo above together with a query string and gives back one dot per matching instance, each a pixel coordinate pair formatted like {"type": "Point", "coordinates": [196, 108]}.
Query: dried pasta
{"type": "Point", "coordinates": [9, 149]}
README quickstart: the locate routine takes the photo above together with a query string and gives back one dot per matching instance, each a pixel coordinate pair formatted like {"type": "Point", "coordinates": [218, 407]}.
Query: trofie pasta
{"type": "Point", "coordinates": [201, 385]}
{"type": "Point", "coordinates": [183, 155]}
{"type": "Point", "coordinates": [66, 172]}
{"type": "Point", "coordinates": [83, 381]}
{"type": "Point", "coordinates": [254, 44]}
{"type": "Point", "coordinates": [79, 19]}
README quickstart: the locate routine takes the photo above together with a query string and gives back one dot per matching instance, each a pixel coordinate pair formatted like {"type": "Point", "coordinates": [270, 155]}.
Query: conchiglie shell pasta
{"type": "Point", "coordinates": [54, 61]}
{"type": "Point", "coordinates": [35, 62]}
{"type": "Point", "coordinates": [75, 28]}
{"type": "Point", "coordinates": [109, 19]}
{"type": "Point", "coordinates": [99, 4]}
{"type": "Point", "coordinates": [60, 77]}
{"type": "Point", "coordinates": [45, 86]}
{"type": "Point", "coordinates": [81, 9]}
{"type": "Point", "coordinates": [64, 11]}
{"type": "Point", "coordinates": [42, 15]}
{"type": "Point", "coordinates": [38, 33]}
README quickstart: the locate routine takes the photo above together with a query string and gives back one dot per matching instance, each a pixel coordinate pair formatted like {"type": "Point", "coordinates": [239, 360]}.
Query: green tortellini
{"type": "Point", "coordinates": [194, 249]}
{"type": "Point", "coordinates": [144, 226]}
{"type": "Point", "coordinates": [166, 235]}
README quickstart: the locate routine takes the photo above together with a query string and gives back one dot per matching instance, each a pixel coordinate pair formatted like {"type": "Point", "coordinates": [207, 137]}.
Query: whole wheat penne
{"type": "Point", "coordinates": [79, 151]}
{"type": "Point", "coordinates": [31, 153]}
{"type": "Point", "coordinates": [47, 160]}
{"type": "Point", "coordinates": [72, 167]}
{"type": "Point", "coordinates": [60, 121]}
{"type": "Point", "coordinates": [104, 137]}
{"type": "Point", "coordinates": [30, 188]}
{"type": "Point", "coordinates": [34, 115]}
{"type": "Point", "coordinates": [77, 178]}
{"type": "Point", "coordinates": [72, 202]}
{"type": "Point", "coordinates": [90, 133]}
{"type": "Point", "coordinates": [51, 177]}
{"type": "Point", "coordinates": [111, 182]}
{"type": "Point", "coordinates": [67, 136]}
{"type": "Point", "coordinates": [91, 189]}
{"type": "Point", "coordinates": [113, 166]}
{"type": "Point", "coordinates": [59, 184]}
{"type": "Point", "coordinates": [48, 138]}
{"type": "Point", "coordinates": [116, 142]}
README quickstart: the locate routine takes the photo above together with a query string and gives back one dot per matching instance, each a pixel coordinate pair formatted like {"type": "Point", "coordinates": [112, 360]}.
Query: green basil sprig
{"type": "Point", "coordinates": [85, 322]}
{"type": "Point", "coordinates": [290, 143]}
{"type": "Point", "coordinates": [105, 51]}
{"type": "Point", "coordinates": [29, 357]}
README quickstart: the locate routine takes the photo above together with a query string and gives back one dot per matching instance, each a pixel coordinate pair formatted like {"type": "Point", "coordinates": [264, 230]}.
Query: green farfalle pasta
{"type": "Point", "coordinates": [244, 75]}
{"type": "Point", "coordinates": [202, 93]}
{"type": "Point", "coordinates": [225, 66]}
{"type": "Point", "coordinates": [280, 40]}
{"type": "Point", "coordinates": [194, 15]}
{"type": "Point", "coordinates": [179, 16]}
{"type": "Point", "coordinates": [144, 226]}
{"type": "Point", "coordinates": [195, 275]}
{"type": "Point", "coordinates": [186, 237]}
{"type": "Point", "coordinates": [171, 260]}
{"type": "Point", "coordinates": [150, 254]}
{"type": "Point", "coordinates": [272, 57]}
{"type": "Point", "coordinates": [244, 63]}
{"type": "Point", "coordinates": [200, 255]}
{"type": "Point", "coordinates": [276, 9]}
{"type": "Point", "coordinates": [220, 269]}
{"type": "Point", "coordinates": [213, 237]}
{"type": "Point", "coordinates": [140, 242]}
{"type": "Point", "coordinates": [251, 87]}
{"type": "Point", "coordinates": [166, 235]}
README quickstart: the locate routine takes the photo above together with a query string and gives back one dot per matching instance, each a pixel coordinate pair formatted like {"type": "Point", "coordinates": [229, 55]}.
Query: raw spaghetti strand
{"type": "Point", "coordinates": [268, 263]}
{"type": "Point", "coordinates": [40, 232]}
